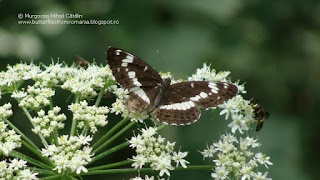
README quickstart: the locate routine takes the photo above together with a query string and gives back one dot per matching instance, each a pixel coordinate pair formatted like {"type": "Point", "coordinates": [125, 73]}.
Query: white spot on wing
{"type": "Point", "coordinates": [203, 95]}
{"type": "Point", "coordinates": [192, 85]}
{"type": "Point", "coordinates": [136, 82]}
{"type": "Point", "coordinates": [124, 64]}
{"type": "Point", "coordinates": [213, 87]}
{"type": "Point", "coordinates": [179, 106]}
{"type": "Point", "coordinates": [225, 85]}
{"type": "Point", "coordinates": [118, 51]}
{"type": "Point", "coordinates": [145, 68]}
{"type": "Point", "coordinates": [140, 92]}
{"type": "Point", "coordinates": [132, 74]}
{"type": "Point", "coordinates": [128, 59]}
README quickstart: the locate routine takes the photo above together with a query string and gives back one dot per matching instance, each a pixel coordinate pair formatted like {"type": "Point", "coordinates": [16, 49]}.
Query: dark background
{"type": "Point", "coordinates": [274, 47]}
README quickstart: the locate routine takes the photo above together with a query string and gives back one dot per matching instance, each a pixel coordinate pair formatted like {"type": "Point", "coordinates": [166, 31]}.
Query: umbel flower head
{"type": "Point", "coordinates": [156, 152]}
{"type": "Point", "coordinates": [72, 154]}
{"type": "Point", "coordinates": [234, 157]}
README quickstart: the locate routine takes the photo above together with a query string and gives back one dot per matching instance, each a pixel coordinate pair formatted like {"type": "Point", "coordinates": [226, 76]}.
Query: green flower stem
{"type": "Point", "coordinates": [99, 97]}
{"type": "Point", "coordinates": [84, 130]}
{"type": "Point", "coordinates": [44, 171]}
{"type": "Point", "coordinates": [36, 152]}
{"type": "Point", "coordinates": [55, 136]}
{"type": "Point", "coordinates": [51, 103]}
{"type": "Point", "coordinates": [132, 170]}
{"type": "Point", "coordinates": [112, 150]}
{"type": "Point", "coordinates": [21, 134]}
{"type": "Point", "coordinates": [103, 138]}
{"type": "Point", "coordinates": [74, 122]}
{"type": "Point", "coordinates": [29, 160]}
{"type": "Point", "coordinates": [43, 140]}
{"type": "Point", "coordinates": [61, 176]}
{"type": "Point", "coordinates": [116, 148]}
{"type": "Point", "coordinates": [114, 137]}
{"type": "Point", "coordinates": [108, 166]}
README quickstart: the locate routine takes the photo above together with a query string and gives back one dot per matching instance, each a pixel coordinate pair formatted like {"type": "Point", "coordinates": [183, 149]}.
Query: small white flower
{"type": "Point", "coordinates": [84, 140]}
{"type": "Point", "coordinates": [260, 176]}
{"type": "Point", "coordinates": [178, 158]}
{"type": "Point", "coordinates": [139, 161]}
{"type": "Point", "coordinates": [26, 174]}
{"type": "Point", "coordinates": [49, 151]}
{"type": "Point", "coordinates": [263, 159]}
{"type": "Point", "coordinates": [208, 152]}
{"type": "Point", "coordinates": [220, 173]}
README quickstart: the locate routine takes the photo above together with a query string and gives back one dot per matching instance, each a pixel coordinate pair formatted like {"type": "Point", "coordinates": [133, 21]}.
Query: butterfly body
{"type": "Point", "coordinates": [175, 104]}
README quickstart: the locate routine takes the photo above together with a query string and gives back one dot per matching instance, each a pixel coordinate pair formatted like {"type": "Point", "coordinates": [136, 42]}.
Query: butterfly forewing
{"type": "Point", "coordinates": [130, 71]}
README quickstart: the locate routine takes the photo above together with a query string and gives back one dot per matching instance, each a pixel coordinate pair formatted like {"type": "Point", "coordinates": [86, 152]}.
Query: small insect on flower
{"type": "Point", "coordinates": [260, 115]}
{"type": "Point", "coordinates": [81, 62]}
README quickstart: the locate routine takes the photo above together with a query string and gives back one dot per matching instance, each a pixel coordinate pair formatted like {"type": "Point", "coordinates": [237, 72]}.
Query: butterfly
{"type": "Point", "coordinates": [175, 104]}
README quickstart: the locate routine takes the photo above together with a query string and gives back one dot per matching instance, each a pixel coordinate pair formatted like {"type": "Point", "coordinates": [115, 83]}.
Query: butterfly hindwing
{"type": "Point", "coordinates": [180, 105]}
{"type": "Point", "coordinates": [130, 71]}
{"type": "Point", "coordinates": [204, 93]}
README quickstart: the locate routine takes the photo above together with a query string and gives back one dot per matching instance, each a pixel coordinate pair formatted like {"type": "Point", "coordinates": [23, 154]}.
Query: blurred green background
{"type": "Point", "coordinates": [274, 47]}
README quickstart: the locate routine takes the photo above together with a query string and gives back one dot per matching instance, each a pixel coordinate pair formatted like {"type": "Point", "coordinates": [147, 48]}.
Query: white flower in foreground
{"type": "Point", "coordinates": [178, 158]}
{"type": "Point", "coordinates": [73, 153]}
{"type": "Point", "coordinates": [27, 175]}
{"type": "Point", "coordinates": [220, 173]}
{"type": "Point", "coordinates": [263, 159]}
{"type": "Point", "coordinates": [156, 152]}
{"type": "Point", "coordinates": [235, 159]}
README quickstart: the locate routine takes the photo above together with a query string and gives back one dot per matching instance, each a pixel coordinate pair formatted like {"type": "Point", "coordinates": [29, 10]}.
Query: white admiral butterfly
{"type": "Point", "coordinates": [174, 104]}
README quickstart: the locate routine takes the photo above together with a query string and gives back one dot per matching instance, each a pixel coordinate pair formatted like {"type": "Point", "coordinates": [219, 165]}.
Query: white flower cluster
{"type": "Point", "coordinates": [72, 154]}
{"type": "Point", "coordinates": [9, 140]}
{"type": "Point", "coordinates": [234, 158]}
{"type": "Point", "coordinates": [145, 178]}
{"type": "Point", "coordinates": [119, 107]}
{"type": "Point", "coordinates": [91, 116]}
{"type": "Point", "coordinates": [240, 111]}
{"type": "Point", "coordinates": [35, 98]}
{"type": "Point", "coordinates": [85, 82]}
{"type": "Point", "coordinates": [16, 169]}
{"type": "Point", "coordinates": [155, 151]}
{"type": "Point", "coordinates": [46, 124]}
{"type": "Point", "coordinates": [207, 74]}
{"type": "Point", "coordinates": [16, 74]}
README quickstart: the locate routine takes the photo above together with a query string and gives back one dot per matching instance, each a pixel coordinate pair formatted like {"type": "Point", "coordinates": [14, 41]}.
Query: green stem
{"type": "Point", "coordinates": [55, 136]}
{"type": "Point", "coordinates": [131, 170]}
{"type": "Point", "coordinates": [61, 176]}
{"type": "Point", "coordinates": [36, 152]}
{"type": "Point", "coordinates": [43, 140]}
{"type": "Point", "coordinates": [44, 171]}
{"type": "Point", "coordinates": [114, 137]}
{"type": "Point", "coordinates": [74, 122]}
{"type": "Point", "coordinates": [103, 138]}
{"type": "Point", "coordinates": [29, 160]}
{"type": "Point", "coordinates": [21, 134]}
{"type": "Point", "coordinates": [108, 166]}
{"type": "Point", "coordinates": [99, 97]}
{"type": "Point", "coordinates": [116, 148]}
{"type": "Point", "coordinates": [112, 150]}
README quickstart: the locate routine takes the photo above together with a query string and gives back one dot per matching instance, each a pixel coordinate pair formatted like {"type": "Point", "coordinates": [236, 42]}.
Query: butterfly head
{"type": "Point", "coordinates": [167, 82]}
